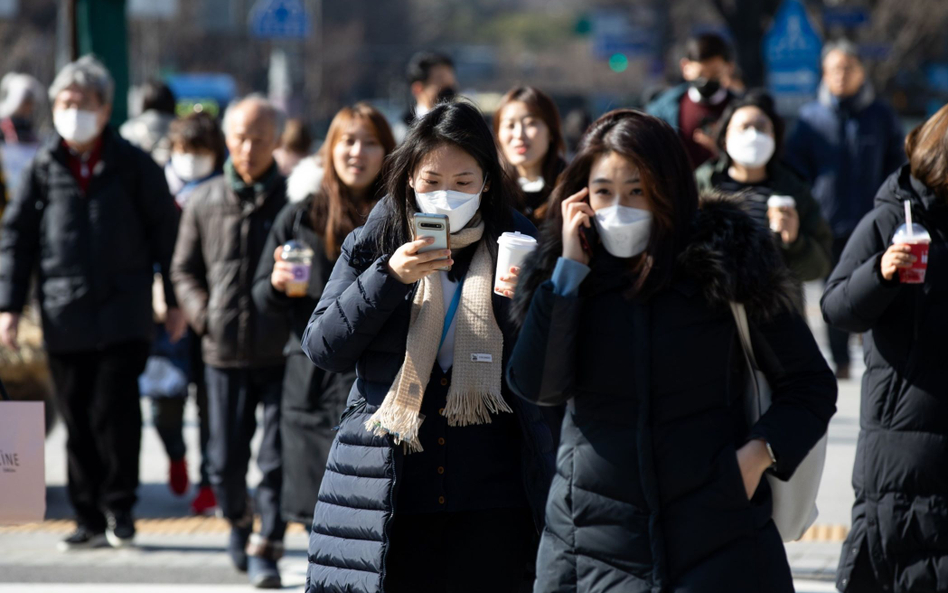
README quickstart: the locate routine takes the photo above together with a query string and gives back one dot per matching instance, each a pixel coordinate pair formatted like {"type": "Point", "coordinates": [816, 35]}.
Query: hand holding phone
{"type": "Point", "coordinates": [578, 229]}
{"type": "Point", "coordinates": [427, 253]}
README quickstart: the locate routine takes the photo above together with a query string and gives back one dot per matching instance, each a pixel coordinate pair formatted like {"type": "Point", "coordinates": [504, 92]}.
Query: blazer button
{"type": "Point", "coordinates": [440, 500]}
{"type": "Point", "coordinates": [444, 381]}
{"type": "Point", "coordinates": [440, 470]}
{"type": "Point", "coordinates": [441, 440]}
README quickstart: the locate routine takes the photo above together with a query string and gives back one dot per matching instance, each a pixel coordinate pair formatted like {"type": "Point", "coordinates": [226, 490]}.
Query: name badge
{"type": "Point", "coordinates": [482, 358]}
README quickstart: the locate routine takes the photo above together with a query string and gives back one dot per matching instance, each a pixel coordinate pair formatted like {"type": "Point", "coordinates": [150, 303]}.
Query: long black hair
{"type": "Point", "coordinates": [459, 124]}
{"type": "Point", "coordinates": [667, 182]}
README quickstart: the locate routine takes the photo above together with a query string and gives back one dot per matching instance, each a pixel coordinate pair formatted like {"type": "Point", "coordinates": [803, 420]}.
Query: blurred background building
{"type": "Point", "coordinates": [314, 56]}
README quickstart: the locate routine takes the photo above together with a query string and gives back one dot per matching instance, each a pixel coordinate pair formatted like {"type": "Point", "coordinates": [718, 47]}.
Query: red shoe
{"type": "Point", "coordinates": [204, 502]}
{"type": "Point", "coordinates": [178, 476]}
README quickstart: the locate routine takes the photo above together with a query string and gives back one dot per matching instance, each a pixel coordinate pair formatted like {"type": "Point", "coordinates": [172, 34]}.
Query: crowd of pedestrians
{"type": "Point", "coordinates": [435, 434]}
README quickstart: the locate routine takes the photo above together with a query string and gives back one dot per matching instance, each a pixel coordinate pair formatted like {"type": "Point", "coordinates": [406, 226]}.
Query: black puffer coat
{"type": "Point", "coordinates": [362, 320]}
{"type": "Point", "coordinates": [93, 253]}
{"type": "Point", "coordinates": [313, 399]}
{"type": "Point", "coordinates": [648, 495]}
{"type": "Point", "coordinates": [900, 518]}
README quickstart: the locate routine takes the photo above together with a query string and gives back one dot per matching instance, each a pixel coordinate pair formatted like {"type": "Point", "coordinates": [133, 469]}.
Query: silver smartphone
{"type": "Point", "coordinates": [433, 225]}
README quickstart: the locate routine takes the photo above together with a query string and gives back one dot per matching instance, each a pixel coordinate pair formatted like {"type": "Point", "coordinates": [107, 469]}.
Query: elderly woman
{"type": "Point", "coordinates": [92, 218]}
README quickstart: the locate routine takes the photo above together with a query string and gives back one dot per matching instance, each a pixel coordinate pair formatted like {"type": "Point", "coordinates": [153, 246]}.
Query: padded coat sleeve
{"type": "Point", "coordinates": [353, 308]}
{"type": "Point", "coordinates": [856, 294]}
{"type": "Point", "coordinates": [541, 368]}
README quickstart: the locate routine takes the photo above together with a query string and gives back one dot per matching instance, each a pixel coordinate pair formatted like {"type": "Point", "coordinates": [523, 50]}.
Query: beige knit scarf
{"type": "Point", "coordinates": [475, 391]}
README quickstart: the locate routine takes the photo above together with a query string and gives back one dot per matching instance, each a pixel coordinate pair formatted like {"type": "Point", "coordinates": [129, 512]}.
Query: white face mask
{"type": "Point", "coordinates": [459, 207]}
{"type": "Point", "coordinates": [75, 125]}
{"type": "Point", "coordinates": [191, 167]}
{"type": "Point", "coordinates": [751, 148]}
{"type": "Point", "coordinates": [624, 231]}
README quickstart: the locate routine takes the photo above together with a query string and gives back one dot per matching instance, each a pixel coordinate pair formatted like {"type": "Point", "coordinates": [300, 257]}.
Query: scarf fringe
{"type": "Point", "coordinates": [402, 423]}
{"type": "Point", "coordinates": [474, 408]}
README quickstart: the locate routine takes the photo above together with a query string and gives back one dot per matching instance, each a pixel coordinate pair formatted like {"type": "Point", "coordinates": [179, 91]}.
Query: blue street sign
{"type": "Point", "coordinates": [845, 16]}
{"type": "Point", "coordinates": [613, 32]}
{"type": "Point", "coordinates": [792, 55]}
{"type": "Point", "coordinates": [279, 19]}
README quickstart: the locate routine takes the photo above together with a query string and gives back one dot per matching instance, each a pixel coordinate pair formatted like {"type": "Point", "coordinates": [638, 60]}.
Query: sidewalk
{"type": "Point", "coordinates": [181, 554]}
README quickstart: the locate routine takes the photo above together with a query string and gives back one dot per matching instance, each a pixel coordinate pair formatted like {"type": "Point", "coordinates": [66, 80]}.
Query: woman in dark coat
{"type": "Point", "coordinates": [899, 537]}
{"type": "Point", "coordinates": [438, 476]}
{"type": "Point", "coordinates": [750, 139]}
{"type": "Point", "coordinates": [321, 213]}
{"type": "Point", "coordinates": [528, 132]}
{"type": "Point", "coordinates": [659, 479]}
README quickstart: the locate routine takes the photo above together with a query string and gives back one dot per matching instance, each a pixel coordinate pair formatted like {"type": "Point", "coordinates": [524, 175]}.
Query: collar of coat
{"type": "Point", "coordinates": [112, 144]}
{"type": "Point", "coordinates": [902, 185]}
{"type": "Point", "coordinates": [862, 99]}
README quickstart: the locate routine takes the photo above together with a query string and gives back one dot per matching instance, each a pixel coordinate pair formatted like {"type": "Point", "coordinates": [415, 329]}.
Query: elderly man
{"type": "Point", "coordinates": [221, 238]}
{"type": "Point", "coordinates": [845, 144]}
{"type": "Point", "coordinates": [92, 218]}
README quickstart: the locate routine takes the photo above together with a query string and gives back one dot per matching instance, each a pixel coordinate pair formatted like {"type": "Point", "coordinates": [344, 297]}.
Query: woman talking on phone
{"type": "Point", "coordinates": [321, 213]}
{"type": "Point", "coordinates": [626, 318]}
{"type": "Point", "coordinates": [438, 474]}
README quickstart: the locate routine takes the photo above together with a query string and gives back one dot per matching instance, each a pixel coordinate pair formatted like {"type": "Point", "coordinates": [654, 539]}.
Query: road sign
{"type": "Point", "coordinates": [620, 31]}
{"type": "Point", "coordinates": [792, 55]}
{"type": "Point", "coordinates": [280, 19]}
{"type": "Point", "coordinates": [849, 17]}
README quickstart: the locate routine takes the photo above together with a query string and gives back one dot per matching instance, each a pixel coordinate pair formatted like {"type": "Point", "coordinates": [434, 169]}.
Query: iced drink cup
{"type": "Point", "coordinates": [919, 241]}
{"type": "Point", "coordinates": [512, 252]}
{"type": "Point", "coordinates": [301, 258]}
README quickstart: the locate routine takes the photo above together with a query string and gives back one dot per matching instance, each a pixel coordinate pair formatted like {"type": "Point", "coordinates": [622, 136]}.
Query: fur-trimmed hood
{"type": "Point", "coordinates": [304, 180]}
{"type": "Point", "coordinates": [732, 258]}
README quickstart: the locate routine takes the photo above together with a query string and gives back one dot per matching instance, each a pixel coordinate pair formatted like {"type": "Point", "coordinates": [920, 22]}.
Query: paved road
{"type": "Point", "coordinates": [182, 556]}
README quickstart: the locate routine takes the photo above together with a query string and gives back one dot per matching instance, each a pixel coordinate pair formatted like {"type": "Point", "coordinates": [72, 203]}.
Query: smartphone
{"type": "Point", "coordinates": [433, 225]}
{"type": "Point", "coordinates": [589, 237]}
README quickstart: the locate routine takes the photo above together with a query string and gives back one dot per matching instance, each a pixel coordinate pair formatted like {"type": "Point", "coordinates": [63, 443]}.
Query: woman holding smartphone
{"type": "Point", "coordinates": [659, 479]}
{"type": "Point", "coordinates": [438, 475]}
{"type": "Point", "coordinates": [320, 216]}
{"type": "Point", "coordinates": [528, 131]}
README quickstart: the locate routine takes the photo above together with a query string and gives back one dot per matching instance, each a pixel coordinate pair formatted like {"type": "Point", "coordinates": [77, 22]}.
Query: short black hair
{"type": "Point", "coordinates": [158, 97]}
{"type": "Point", "coordinates": [421, 64]}
{"type": "Point", "coordinates": [707, 46]}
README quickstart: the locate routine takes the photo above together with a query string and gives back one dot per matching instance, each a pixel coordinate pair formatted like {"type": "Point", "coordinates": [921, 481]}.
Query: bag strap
{"type": "Point", "coordinates": [752, 400]}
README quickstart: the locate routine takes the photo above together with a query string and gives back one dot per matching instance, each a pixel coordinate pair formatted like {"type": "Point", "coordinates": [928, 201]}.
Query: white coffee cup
{"type": "Point", "coordinates": [776, 203]}
{"type": "Point", "coordinates": [512, 252]}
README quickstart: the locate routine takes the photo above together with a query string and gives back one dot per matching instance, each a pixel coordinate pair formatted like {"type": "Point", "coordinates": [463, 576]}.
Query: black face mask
{"type": "Point", "coordinates": [707, 87]}
{"type": "Point", "coordinates": [446, 95]}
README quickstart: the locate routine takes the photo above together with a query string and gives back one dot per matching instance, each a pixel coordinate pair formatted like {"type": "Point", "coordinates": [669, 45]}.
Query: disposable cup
{"type": "Point", "coordinates": [512, 252]}
{"type": "Point", "coordinates": [776, 203]}
{"type": "Point", "coordinates": [919, 241]}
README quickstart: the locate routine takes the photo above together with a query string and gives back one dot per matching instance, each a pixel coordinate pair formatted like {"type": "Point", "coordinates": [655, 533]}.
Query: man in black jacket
{"type": "Point", "coordinates": [92, 218]}
{"type": "Point", "coordinates": [223, 231]}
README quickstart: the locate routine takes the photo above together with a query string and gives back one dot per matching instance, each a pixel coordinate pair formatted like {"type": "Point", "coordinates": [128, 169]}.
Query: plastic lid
{"type": "Point", "coordinates": [919, 234]}
{"type": "Point", "coordinates": [517, 240]}
{"type": "Point", "coordinates": [295, 247]}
